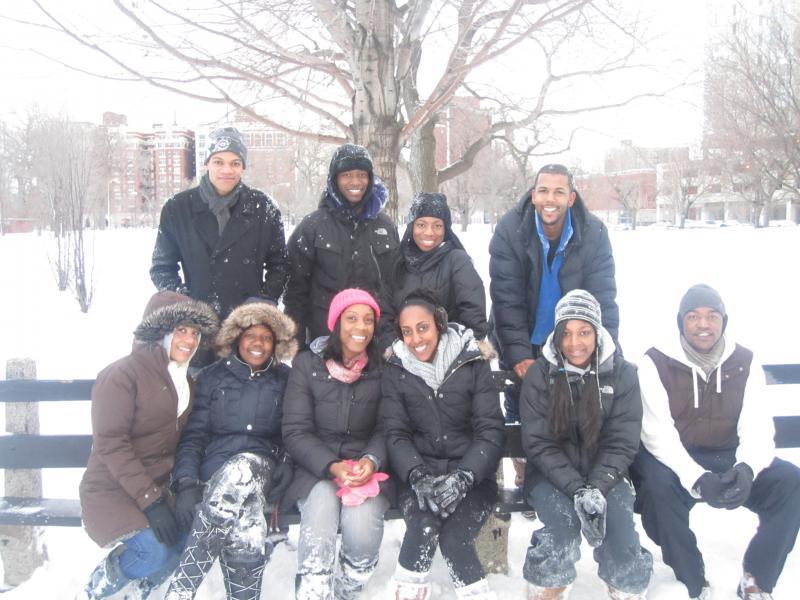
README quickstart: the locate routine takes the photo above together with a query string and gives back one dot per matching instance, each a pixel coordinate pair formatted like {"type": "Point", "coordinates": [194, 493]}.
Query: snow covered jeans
{"type": "Point", "coordinates": [231, 526]}
{"type": "Point", "coordinates": [665, 504]}
{"type": "Point", "coordinates": [455, 535]}
{"type": "Point", "coordinates": [321, 515]}
{"type": "Point", "coordinates": [555, 548]}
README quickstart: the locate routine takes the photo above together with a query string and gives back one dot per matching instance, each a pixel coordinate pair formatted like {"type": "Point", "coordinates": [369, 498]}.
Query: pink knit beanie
{"type": "Point", "coordinates": [347, 298]}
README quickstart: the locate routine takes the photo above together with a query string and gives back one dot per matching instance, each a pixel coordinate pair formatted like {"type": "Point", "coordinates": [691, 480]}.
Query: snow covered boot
{"type": "Point", "coordinates": [705, 594]}
{"type": "Point", "coordinates": [615, 594]}
{"type": "Point", "coordinates": [243, 577]}
{"type": "Point", "coordinates": [351, 579]}
{"type": "Point", "coordinates": [749, 590]}
{"type": "Point", "coordinates": [536, 592]}
{"type": "Point", "coordinates": [476, 591]}
{"type": "Point", "coordinates": [202, 548]}
{"type": "Point", "coordinates": [106, 579]}
{"type": "Point", "coordinates": [409, 585]}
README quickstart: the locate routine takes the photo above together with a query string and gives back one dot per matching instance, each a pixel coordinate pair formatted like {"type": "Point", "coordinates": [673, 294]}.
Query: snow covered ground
{"type": "Point", "coordinates": [755, 271]}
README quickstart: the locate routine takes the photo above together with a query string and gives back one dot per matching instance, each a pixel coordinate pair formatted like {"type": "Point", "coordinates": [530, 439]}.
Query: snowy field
{"type": "Point", "coordinates": [755, 270]}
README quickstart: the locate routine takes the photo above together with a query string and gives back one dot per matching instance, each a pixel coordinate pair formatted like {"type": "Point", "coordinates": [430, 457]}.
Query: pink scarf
{"type": "Point", "coordinates": [350, 371]}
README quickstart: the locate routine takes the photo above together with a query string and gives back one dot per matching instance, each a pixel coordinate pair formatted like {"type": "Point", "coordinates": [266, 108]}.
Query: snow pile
{"type": "Point", "coordinates": [752, 269]}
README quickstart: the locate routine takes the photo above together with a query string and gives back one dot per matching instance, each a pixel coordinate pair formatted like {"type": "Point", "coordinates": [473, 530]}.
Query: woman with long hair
{"type": "Point", "coordinates": [332, 433]}
{"type": "Point", "coordinates": [581, 419]}
{"type": "Point", "coordinates": [445, 437]}
{"type": "Point", "coordinates": [140, 404]}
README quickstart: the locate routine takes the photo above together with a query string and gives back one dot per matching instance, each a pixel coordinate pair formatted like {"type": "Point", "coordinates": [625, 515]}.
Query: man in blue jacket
{"type": "Point", "coordinates": [545, 246]}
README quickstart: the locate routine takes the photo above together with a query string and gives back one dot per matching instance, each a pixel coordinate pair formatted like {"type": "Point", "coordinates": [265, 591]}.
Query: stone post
{"type": "Point", "coordinates": [20, 547]}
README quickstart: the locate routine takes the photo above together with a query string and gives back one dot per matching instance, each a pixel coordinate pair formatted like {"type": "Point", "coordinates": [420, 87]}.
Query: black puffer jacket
{"type": "Point", "coordinates": [567, 464]}
{"type": "Point", "coordinates": [248, 259]}
{"type": "Point", "coordinates": [326, 420]}
{"type": "Point", "coordinates": [330, 251]}
{"type": "Point", "coordinates": [237, 409]}
{"type": "Point", "coordinates": [451, 276]}
{"type": "Point", "coordinates": [515, 272]}
{"type": "Point", "coordinates": [458, 426]}
{"type": "Point", "coordinates": [234, 411]}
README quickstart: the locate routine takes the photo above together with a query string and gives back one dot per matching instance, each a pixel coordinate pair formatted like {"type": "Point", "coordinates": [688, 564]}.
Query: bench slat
{"type": "Point", "coordinates": [27, 451]}
{"type": "Point", "coordinates": [40, 511]}
{"type": "Point", "coordinates": [45, 390]}
{"type": "Point", "coordinates": [782, 374]}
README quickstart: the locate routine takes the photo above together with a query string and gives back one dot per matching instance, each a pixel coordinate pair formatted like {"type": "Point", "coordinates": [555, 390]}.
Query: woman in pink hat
{"type": "Point", "coordinates": [330, 428]}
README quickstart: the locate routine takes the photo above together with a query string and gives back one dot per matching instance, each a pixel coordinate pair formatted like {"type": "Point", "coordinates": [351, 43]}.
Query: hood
{"type": "Point", "coordinates": [258, 313]}
{"type": "Point", "coordinates": [166, 310]}
{"type": "Point", "coordinates": [373, 202]}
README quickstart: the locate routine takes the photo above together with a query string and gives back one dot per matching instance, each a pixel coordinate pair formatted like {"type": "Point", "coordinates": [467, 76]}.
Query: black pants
{"type": "Point", "coordinates": [454, 535]}
{"type": "Point", "coordinates": [665, 504]}
{"type": "Point", "coordinates": [512, 390]}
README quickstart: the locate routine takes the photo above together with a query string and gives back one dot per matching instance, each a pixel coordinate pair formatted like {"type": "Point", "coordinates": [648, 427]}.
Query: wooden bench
{"type": "Point", "coordinates": [20, 451]}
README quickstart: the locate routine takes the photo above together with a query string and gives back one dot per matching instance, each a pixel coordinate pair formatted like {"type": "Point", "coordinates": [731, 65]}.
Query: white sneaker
{"type": "Point", "coordinates": [749, 590]}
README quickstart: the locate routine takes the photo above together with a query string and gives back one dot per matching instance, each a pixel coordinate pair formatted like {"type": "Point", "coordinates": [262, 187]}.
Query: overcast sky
{"type": "Point", "coordinates": [28, 78]}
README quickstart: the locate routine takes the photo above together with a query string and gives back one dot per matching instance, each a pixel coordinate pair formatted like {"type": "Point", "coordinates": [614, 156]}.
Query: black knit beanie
{"type": "Point", "coordinates": [698, 296]}
{"type": "Point", "coordinates": [226, 139]}
{"type": "Point", "coordinates": [349, 157]}
{"type": "Point", "coordinates": [430, 204]}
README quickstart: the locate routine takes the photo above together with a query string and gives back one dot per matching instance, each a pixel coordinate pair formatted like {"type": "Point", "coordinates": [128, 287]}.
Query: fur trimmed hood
{"type": "Point", "coordinates": [166, 310]}
{"type": "Point", "coordinates": [258, 313]}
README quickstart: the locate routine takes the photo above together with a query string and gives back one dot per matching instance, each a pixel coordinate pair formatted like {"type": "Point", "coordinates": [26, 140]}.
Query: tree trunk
{"type": "Point", "coordinates": [423, 159]}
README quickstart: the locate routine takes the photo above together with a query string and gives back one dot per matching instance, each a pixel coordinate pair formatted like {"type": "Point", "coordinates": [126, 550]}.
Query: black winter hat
{"type": "Point", "coordinates": [226, 139]}
{"type": "Point", "coordinates": [349, 157]}
{"type": "Point", "coordinates": [430, 204]}
{"type": "Point", "coordinates": [701, 295]}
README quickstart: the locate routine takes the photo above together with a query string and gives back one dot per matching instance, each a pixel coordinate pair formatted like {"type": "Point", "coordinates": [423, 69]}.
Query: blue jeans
{"type": "Point", "coordinates": [145, 556]}
{"type": "Point", "coordinates": [322, 514]}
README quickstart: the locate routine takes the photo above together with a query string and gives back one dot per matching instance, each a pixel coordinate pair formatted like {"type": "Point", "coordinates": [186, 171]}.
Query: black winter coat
{"type": "Point", "coordinates": [248, 259]}
{"type": "Point", "coordinates": [326, 420]}
{"type": "Point", "coordinates": [328, 253]}
{"type": "Point", "coordinates": [234, 411]}
{"type": "Point", "coordinates": [567, 464]}
{"type": "Point", "coordinates": [459, 426]}
{"type": "Point", "coordinates": [451, 276]}
{"type": "Point", "coordinates": [515, 271]}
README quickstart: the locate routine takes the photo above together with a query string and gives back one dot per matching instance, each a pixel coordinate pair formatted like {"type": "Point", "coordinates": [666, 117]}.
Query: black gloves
{"type": "Point", "coordinates": [190, 494]}
{"type": "Point", "coordinates": [162, 522]}
{"type": "Point", "coordinates": [423, 483]}
{"type": "Point", "coordinates": [451, 489]}
{"type": "Point", "coordinates": [590, 505]}
{"type": "Point", "coordinates": [739, 481]}
{"type": "Point", "coordinates": [282, 476]}
{"type": "Point", "coordinates": [710, 487]}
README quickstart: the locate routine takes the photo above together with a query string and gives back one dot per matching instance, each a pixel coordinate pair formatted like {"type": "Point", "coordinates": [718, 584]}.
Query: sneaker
{"type": "Point", "coordinates": [749, 590]}
{"type": "Point", "coordinates": [615, 594]}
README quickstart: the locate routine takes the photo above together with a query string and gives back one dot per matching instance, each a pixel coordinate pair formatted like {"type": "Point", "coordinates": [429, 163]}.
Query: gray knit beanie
{"type": "Point", "coordinates": [579, 304]}
{"type": "Point", "coordinates": [698, 296]}
{"type": "Point", "coordinates": [226, 139]}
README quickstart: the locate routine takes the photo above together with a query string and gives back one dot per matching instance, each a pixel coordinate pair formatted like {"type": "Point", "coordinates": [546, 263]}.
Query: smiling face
{"type": "Point", "coordinates": [255, 346]}
{"type": "Point", "coordinates": [428, 233]}
{"type": "Point", "coordinates": [356, 328]}
{"type": "Point", "coordinates": [578, 342]}
{"type": "Point", "coordinates": [418, 328]}
{"type": "Point", "coordinates": [185, 340]}
{"type": "Point", "coordinates": [225, 171]}
{"type": "Point", "coordinates": [702, 328]}
{"type": "Point", "coordinates": [552, 198]}
{"type": "Point", "coordinates": [353, 185]}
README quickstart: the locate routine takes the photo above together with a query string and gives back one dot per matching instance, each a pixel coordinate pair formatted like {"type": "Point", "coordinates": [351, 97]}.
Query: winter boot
{"type": "Point", "coordinates": [615, 594]}
{"type": "Point", "coordinates": [351, 579]}
{"type": "Point", "coordinates": [705, 593]}
{"type": "Point", "coordinates": [202, 548]}
{"type": "Point", "coordinates": [243, 577]}
{"type": "Point", "coordinates": [749, 590]}
{"type": "Point", "coordinates": [476, 591]}
{"type": "Point", "coordinates": [536, 592]}
{"type": "Point", "coordinates": [409, 585]}
{"type": "Point", "coordinates": [106, 579]}
{"type": "Point", "coordinates": [313, 586]}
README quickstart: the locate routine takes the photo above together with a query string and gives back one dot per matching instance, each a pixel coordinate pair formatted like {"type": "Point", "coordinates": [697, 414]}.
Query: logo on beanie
{"type": "Point", "coordinates": [221, 144]}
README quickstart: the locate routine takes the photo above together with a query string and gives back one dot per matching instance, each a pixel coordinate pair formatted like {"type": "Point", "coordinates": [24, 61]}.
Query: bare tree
{"type": "Point", "coordinates": [338, 70]}
{"type": "Point", "coordinates": [753, 100]}
{"type": "Point", "coordinates": [684, 181]}
{"type": "Point", "coordinates": [629, 195]}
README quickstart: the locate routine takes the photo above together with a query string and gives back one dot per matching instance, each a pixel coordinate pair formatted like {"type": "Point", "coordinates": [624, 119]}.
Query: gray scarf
{"type": "Point", "coordinates": [450, 346]}
{"type": "Point", "coordinates": [219, 205]}
{"type": "Point", "coordinates": [707, 361]}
